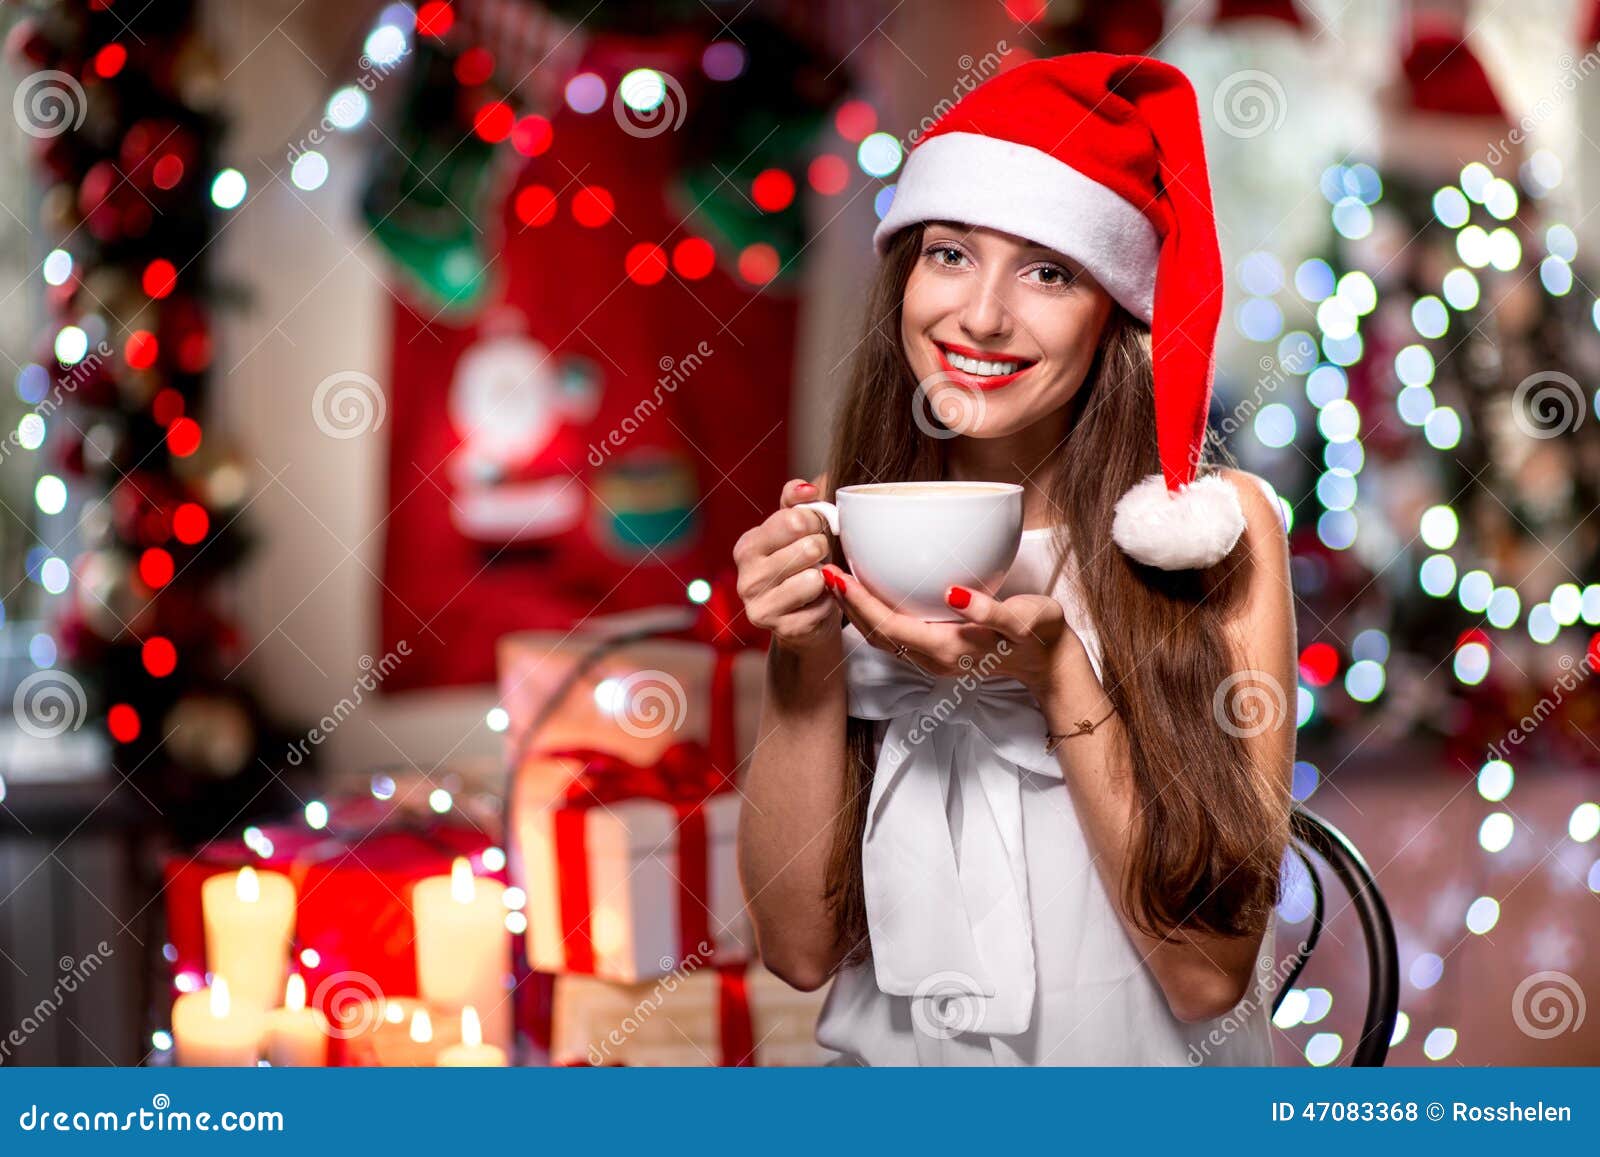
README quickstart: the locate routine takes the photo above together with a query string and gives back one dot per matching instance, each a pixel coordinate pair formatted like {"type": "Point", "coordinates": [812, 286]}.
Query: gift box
{"type": "Point", "coordinates": [635, 684]}
{"type": "Point", "coordinates": [629, 870]}
{"type": "Point", "coordinates": [354, 935]}
{"type": "Point", "coordinates": [732, 1016]}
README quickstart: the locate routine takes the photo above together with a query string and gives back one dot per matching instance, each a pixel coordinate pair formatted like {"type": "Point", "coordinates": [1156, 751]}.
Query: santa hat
{"type": "Point", "coordinates": [1100, 158]}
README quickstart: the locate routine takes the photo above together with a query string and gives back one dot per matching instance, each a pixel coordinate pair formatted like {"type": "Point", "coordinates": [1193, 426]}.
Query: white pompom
{"type": "Point", "coordinates": [1191, 529]}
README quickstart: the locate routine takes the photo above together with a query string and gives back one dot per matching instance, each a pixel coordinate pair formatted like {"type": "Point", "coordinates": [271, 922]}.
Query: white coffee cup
{"type": "Point", "coordinates": [909, 542]}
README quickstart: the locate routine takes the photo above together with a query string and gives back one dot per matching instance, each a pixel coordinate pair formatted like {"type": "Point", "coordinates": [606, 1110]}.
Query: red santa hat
{"type": "Point", "coordinates": [1100, 158]}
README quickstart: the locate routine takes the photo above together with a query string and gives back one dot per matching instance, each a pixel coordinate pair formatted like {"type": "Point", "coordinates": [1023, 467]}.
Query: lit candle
{"type": "Point", "coordinates": [208, 1028]}
{"type": "Point", "coordinates": [249, 918]}
{"type": "Point", "coordinates": [472, 1053]}
{"type": "Point", "coordinates": [463, 947]}
{"type": "Point", "coordinates": [297, 1036]}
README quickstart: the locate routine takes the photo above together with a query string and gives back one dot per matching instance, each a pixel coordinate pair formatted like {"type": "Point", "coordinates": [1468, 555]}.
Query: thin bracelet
{"type": "Point", "coordinates": [1052, 739]}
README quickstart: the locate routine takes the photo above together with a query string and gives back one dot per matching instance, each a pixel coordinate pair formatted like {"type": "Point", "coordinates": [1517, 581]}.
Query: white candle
{"type": "Point", "coordinates": [249, 918]}
{"type": "Point", "coordinates": [208, 1028]}
{"type": "Point", "coordinates": [472, 1053]}
{"type": "Point", "coordinates": [297, 1036]}
{"type": "Point", "coordinates": [463, 947]}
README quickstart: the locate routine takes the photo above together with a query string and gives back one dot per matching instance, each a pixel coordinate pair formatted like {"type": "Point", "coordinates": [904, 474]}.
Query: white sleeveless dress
{"type": "Point", "coordinates": [994, 940]}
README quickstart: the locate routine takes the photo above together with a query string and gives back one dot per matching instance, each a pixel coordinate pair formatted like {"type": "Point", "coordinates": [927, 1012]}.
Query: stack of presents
{"type": "Point", "coordinates": [627, 941]}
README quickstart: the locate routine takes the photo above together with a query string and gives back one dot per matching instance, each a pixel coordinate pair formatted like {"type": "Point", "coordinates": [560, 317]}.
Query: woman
{"type": "Point", "coordinates": [1092, 876]}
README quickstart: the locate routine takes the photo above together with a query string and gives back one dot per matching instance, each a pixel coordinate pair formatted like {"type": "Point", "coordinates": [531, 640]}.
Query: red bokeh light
{"type": "Point", "coordinates": [1319, 663]}
{"type": "Point", "coordinates": [159, 656]}
{"type": "Point", "coordinates": [160, 278]}
{"type": "Point", "coordinates": [646, 263]}
{"type": "Point", "coordinates": [155, 567]}
{"type": "Point", "coordinates": [474, 66]}
{"type": "Point", "coordinates": [828, 174]}
{"type": "Point", "coordinates": [855, 119]}
{"type": "Point", "coordinates": [532, 135]}
{"type": "Point", "coordinates": [772, 190]}
{"type": "Point", "coordinates": [758, 263]}
{"type": "Point", "coordinates": [435, 18]}
{"type": "Point", "coordinates": [592, 206]}
{"type": "Point", "coordinates": [141, 350]}
{"type": "Point", "coordinates": [190, 522]}
{"type": "Point", "coordinates": [693, 258]}
{"type": "Point", "coordinates": [110, 59]}
{"type": "Point", "coordinates": [167, 172]}
{"type": "Point", "coordinates": [123, 723]}
{"type": "Point", "coordinates": [535, 205]}
{"type": "Point", "coordinates": [183, 437]}
{"type": "Point", "coordinates": [166, 406]}
{"type": "Point", "coordinates": [493, 121]}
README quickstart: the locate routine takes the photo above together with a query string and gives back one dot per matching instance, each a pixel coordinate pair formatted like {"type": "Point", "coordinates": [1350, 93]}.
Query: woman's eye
{"type": "Point", "coordinates": [946, 255]}
{"type": "Point", "coordinates": [1052, 275]}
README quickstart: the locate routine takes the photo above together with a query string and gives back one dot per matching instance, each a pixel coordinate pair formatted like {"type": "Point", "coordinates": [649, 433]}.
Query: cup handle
{"type": "Point", "coordinates": [829, 512]}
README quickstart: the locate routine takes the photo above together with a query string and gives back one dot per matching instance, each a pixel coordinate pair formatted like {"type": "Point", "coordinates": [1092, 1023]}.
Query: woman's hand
{"type": "Point", "coordinates": [779, 581]}
{"type": "Point", "coordinates": [1024, 637]}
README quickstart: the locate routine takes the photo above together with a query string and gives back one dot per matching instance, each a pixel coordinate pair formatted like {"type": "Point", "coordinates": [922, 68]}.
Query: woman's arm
{"type": "Point", "coordinates": [794, 794]}
{"type": "Point", "coordinates": [1202, 976]}
{"type": "Point", "coordinates": [794, 788]}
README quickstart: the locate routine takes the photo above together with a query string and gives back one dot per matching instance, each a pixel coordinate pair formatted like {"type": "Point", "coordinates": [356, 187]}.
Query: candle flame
{"type": "Point", "coordinates": [220, 1002]}
{"type": "Point", "coordinates": [462, 886]}
{"type": "Point", "coordinates": [294, 992]}
{"type": "Point", "coordinates": [471, 1027]}
{"type": "Point", "coordinates": [247, 886]}
{"type": "Point", "coordinates": [421, 1027]}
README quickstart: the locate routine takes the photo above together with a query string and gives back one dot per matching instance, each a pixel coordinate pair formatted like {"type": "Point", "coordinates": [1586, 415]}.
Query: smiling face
{"type": "Point", "coordinates": [1001, 331]}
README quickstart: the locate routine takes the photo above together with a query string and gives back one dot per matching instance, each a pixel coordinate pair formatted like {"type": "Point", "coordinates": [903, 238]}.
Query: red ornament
{"type": "Point", "coordinates": [123, 722]}
{"type": "Point", "coordinates": [190, 522]}
{"type": "Point", "coordinates": [772, 190]}
{"type": "Point", "coordinates": [693, 258]}
{"type": "Point", "coordinates": [159, 656]}
{"type": "Point", "coordinates": [646, 263]}
{"type": "Point", "coordinates": [155, 567]}
{"type": "Point", "coordinates": [592, 206]}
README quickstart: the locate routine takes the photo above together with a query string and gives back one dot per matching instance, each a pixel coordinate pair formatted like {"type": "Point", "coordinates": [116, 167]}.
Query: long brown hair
{"type": "Point", "coordinates": [1209, 833]}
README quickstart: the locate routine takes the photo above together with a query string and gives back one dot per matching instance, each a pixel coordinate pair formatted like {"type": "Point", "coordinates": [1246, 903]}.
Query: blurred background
{"type": "Point", "coordinates": [369, 361]}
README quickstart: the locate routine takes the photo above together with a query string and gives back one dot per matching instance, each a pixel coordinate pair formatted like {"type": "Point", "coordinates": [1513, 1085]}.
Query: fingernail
{"type": "Point", "coordinates": [958, 597]}
{"type": "Point", "coordinates": [829, 580]}
{"type": "Point", "coordinates": [806, 486]}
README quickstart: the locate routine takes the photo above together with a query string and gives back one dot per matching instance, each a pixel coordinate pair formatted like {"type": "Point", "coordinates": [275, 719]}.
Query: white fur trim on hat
{"type": "Point", "coordinates": [979, 180]}
{"type": "Point", "coordinates": [1191, 529]}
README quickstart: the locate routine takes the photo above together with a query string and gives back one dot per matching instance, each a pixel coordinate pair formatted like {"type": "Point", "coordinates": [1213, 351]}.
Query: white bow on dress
{"type": "Point", "coordinates": [948, 910]}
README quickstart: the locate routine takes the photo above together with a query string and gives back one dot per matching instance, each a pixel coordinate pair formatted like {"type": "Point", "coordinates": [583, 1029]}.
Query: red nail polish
{"type": "Point", "coordinates": [959, 597]}
{"type": "Point", "coordinates": [805, 486]}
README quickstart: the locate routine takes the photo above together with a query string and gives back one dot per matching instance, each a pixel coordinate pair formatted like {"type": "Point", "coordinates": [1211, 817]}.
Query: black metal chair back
{"type": "Point", "coordinates": [1312, 833]}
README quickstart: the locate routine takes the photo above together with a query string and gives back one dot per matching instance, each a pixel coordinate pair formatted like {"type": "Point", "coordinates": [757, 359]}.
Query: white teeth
{"type": "Point", "coordinates": [984, 369]}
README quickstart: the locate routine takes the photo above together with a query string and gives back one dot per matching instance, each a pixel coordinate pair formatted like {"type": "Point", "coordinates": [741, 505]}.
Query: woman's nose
{"type": "Point", "coordinates": [985, 316]}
